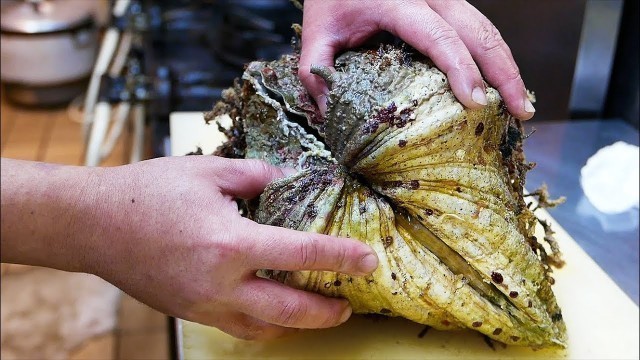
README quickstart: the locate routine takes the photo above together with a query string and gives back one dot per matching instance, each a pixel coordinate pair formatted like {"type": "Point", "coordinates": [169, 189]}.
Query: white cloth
{"type": "Point", "coordinates": [610, 178]}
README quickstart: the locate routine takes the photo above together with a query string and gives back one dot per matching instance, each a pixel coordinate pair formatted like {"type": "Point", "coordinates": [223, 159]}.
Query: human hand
{"type": "Point", "coordinates": [454, 34]}
{"type": "Point", "coordinates": [175, 241]}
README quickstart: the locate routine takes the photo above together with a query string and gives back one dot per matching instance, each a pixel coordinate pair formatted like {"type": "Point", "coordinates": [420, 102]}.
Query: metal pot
{"type": "Point", "coordinates": [48, 50]}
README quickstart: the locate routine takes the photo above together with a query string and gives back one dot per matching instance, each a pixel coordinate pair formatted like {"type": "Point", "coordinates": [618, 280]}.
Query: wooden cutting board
{"type": "Point", "coordinates": [602, 321]}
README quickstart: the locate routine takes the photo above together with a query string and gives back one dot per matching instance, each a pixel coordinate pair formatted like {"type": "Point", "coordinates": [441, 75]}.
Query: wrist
{"type": "Point", "coordinates": [83, 200]}
{"type": "Point", "coordinates": [46, 214]}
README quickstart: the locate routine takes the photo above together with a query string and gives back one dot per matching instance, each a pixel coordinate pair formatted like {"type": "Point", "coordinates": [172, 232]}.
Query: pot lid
{"type": "Point", "coordinates": [45, 16]}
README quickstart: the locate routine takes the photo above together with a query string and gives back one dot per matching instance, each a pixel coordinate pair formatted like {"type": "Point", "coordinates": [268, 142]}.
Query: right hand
{"type": "Point", "coordinates": [174, 240]}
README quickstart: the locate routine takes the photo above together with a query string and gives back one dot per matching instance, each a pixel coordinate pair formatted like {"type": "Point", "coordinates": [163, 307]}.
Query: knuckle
{"type": "Point", "coordinates": [489, 38]}
{"type": "Point", "coordinates": [225, 168]}
{"type": "Point", "coordinates": [291, 313]}
{"type": "Point", "coordinates": [224, 164]}
{"type": "Point", "coordinates": [514, 75]}
{"type": "Point", "coordinates": [341, 259]}
{"type": "Point", "coordinates": [228, 251]}
{"type": "Point", "coordinates": [467, 67]}
{"type": "Point", "coordinates": [443, 35]}
{"type": "Point", "coordinates": [254, 168]}
{"type": "Point", "coordinates": [257, 166]}
{"type": "Point", "coordinates": [510, 76]}
{"type": "Point", "coordinates": [309, 253]}
{"type": "Point", "coordinates": [264, 168]}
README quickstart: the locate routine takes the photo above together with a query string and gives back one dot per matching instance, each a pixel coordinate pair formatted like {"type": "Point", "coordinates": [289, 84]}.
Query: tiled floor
{"type": "Point", "coordinates": [52, 136]}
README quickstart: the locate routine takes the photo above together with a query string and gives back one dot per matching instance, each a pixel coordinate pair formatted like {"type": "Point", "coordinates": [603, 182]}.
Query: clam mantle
{"type": "Point", "coordinates": [398, 163]}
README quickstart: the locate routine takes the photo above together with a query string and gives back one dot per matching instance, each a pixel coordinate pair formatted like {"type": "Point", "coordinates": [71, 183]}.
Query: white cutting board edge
{"type": "Point", "coordinates": [602, 321]}
{"type": "Point", "coordinates": [188, 132]}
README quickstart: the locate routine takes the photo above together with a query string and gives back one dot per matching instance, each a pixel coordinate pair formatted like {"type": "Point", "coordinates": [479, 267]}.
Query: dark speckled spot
{"type": "Point", "coordinates": [370, 127]}
{"type": "Point", "coordinates": [497, 277]}
{"type": "Point", "coordinates": [392, 184]}
{"type": "Point", "coordinates": [387, 241]}
{"type": "Point", "coordinates": [312, 212]}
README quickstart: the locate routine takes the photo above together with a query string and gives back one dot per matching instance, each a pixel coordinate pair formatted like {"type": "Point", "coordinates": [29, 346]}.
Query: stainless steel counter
{"type": "Point", "coordinates": [561, 149]}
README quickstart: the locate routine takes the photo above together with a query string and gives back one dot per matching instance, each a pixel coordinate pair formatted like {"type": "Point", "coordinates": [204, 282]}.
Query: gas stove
{"type": "Point", "coordinates": [193, 50]}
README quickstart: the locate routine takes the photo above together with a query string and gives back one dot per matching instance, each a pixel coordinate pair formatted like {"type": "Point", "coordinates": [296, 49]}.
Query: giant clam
{"type": "Point", "coordinates": [398, 163]}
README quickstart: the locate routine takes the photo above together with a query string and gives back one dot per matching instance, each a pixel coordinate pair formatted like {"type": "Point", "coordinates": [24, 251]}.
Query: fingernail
{"type": "Point", "coordinates": [528, 106]}
{"type": "Point", "coordinates": [479, 96]}
{"type": "Point", "coordinates": [368, 263]}
{"type": "Point", "coordinates": [289, 171]}
{"type": "Point", "coordinates": [346, 314]}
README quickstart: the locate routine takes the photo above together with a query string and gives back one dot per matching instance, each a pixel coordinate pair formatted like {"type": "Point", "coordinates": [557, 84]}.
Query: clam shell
{"type": "Point", "coordinates": [434, 188]}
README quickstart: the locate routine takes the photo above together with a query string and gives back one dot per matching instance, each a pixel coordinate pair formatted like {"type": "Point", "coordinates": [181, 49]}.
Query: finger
{"type": "Point", "coordinates": [246, 327]}
{"type": "Point", "coordinates": [285, 249]}
{"type": "Point", "coordinates": [316, 50]}
{"type": "Point", "coordinates": [246, 178]}
{"type": "Point", "coordinates": [491, 53]}
{"type": "Point", "coordinates": [279, 304]}
{"type": "Point", "coordinates": [417, 24]}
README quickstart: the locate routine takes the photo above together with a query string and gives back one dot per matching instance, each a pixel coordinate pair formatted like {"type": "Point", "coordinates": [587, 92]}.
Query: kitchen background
{"type": "Point", "coordinates": [580, 57]}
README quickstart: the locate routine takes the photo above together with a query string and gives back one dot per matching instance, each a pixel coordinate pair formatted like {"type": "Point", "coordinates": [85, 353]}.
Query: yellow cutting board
{"type": "Point", "coordinates": [602, 321]}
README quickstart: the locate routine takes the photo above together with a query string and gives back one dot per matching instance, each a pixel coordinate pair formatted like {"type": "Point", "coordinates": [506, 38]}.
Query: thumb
{"type": "Point", "coordinates": [317, 49]}
{"type": "Point", "coordinates": [247, 178]}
